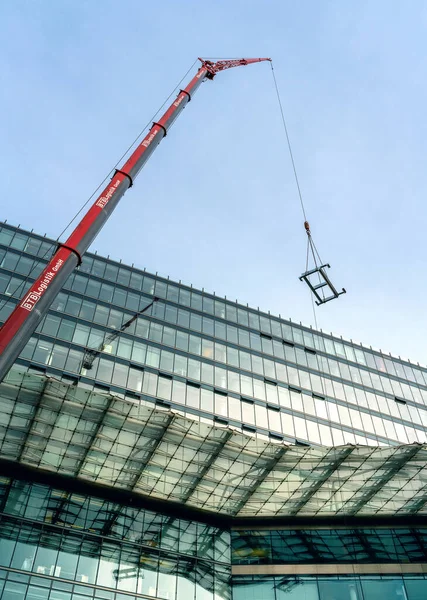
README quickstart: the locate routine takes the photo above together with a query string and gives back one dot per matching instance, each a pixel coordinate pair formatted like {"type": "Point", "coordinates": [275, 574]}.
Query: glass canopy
{"type": "Point", "coordinates": [162, 454]}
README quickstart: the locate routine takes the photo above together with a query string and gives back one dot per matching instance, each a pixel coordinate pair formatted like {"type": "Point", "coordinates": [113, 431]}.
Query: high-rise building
{"type": "Point", "coordinates": [209, 452]}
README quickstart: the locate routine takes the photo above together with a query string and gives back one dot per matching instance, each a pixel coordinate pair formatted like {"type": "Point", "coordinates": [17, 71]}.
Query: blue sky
{"type": "Point", "coordinates": [217, 205]}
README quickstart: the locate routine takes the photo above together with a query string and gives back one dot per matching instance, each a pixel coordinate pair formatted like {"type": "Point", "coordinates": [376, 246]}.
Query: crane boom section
{"type": "Point", "coordinates": [23, 321]}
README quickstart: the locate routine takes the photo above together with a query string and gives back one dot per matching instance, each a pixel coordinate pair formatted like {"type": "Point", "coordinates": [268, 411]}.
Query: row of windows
{"type": "Point", "coordinates": [322, 546]}
{"type": "Point", "coordinates": [267, 417]}
{"type": "Point", "coordinates": [110, 317]}
{"type": "Point", "coordinates": [85, 513]}
{"type": "Point", "coordinates": [113, 566]}
{"type": "Point", "coordinates": [125, 348]}
{"type": "Point", "coordinates": [137, 352]}
{"type": "Point", "coordinates": [136, 280]}
{"type": "Point", "coordinates": [70, 359]}
{"type": "Point", "coordinates": [289, 587]}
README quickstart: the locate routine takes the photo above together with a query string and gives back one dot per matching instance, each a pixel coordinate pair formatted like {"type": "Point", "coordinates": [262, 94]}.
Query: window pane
{"type": "Point", "coordinates": [381, 588]}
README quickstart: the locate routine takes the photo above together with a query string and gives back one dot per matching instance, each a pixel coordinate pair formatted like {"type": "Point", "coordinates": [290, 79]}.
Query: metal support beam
{"type": "Point", "coordinates": [254, 488]}
{"type": "Point", "coordinates": [319, 481]}
{"type": "Point", "coordinates": [395, 465]}
{"type": "Point", "coordinates": [208, 465]}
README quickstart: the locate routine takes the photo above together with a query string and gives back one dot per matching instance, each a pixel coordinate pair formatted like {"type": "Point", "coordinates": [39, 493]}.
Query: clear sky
{"type": "Point", "coordinates": [217, 206]}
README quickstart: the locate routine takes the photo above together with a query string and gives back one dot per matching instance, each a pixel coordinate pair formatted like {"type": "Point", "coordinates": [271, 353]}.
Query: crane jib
{"type": "Point", "coordinates": [24, 319]}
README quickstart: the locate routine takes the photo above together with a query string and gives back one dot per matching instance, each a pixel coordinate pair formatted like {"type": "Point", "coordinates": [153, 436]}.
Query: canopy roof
{"type": "Point", "coordinates": [121, 442]}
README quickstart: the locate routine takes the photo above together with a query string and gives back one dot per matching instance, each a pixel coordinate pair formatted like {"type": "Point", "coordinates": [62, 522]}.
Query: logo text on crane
{"type": "Point", "coordinates": [150, 138]}
{"type": "Point", "coordinates": [41, 286]}
{"type": "Point", "coordinates": [103, 200]}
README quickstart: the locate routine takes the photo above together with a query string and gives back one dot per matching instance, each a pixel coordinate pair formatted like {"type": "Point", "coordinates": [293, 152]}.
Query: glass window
{"type": "Point", "coordinates": [59, 356]}
{"type": "Point", "coordinates": [81, 334]}
{"type": "Point", "coordinates": [220, 377]}
{"type": "Point", "coordinates": [98, 268]}
{"type": "Point", "coordinates": [42, 352]}
{"type": "Point", "coordinates": [136, 281]}
{"type": "Point", "coordinates": [51, 325]}
{"type": "Point", "coordinates": [23, 557]}
{"type": "Point", "coordinates": [6, 236]}
{"type": "Point", "coordinates": [182, 340]}
{"type": "Point", "coordinates": [19, 241]}
{"type": "Point", "coordinates": [382, 588]}
{"type": "Point", "coordinates": [171, 314]}
{"type": "Point", "coordinates": [261, 416]}
{"type": "Point", "coordinates": [105, 370]}
{"type": "Point", "coordinates": [153, 357]}
{"type": "Point", "coordinates": [207, 373]}
{"type": "Point", "coordinates": [232, 334]}
{"type": "Point", "coordinates": [87, 310]}
{"type": "Point", "coordinates": [416, 589]}
{"type": "Point", "coordinates": [148, 285]}
{"type": "Point", "coordinates": [147, 579]}
{"type": "Point", "coordinates": [123, 277]}
{"type": "Point", "coordinates": [300, 589]}
{"type": "Point", "coordinates": [93, 288]}
{"type": "Point", "coordinates": [45, 561]}
{"type": "Point", "coordinates": [193, 370]}
{"type": "Point", "coordinates": [208, 326]}
{"type": "Point", "coordinates": [219, 309]}
{"type": "Point", "coordinates": [178, 392]}
{"type": "Point", "coordinates": [86, 569]}
{"type": "Point", "coordinates": [245, 361]}
{"type": "Point", "coordinates": [74, 361]}
{"type": "Point", "coordinates": [242, 317]}
{"type": "Point", "coordinates": [73, 306]}
{"type": "Point", "coordinates": [120, 375]}
{"type": "Point", "coordinates": [66, 565]}
{"type": "Point", "coordinates": [79, 283]}
{"type": "Point", "coordinates": [193, 396]}
{"type": "Point", "coordinates": [135, 379]}
{"type": "Point", "coordinates": [220, 330]}
{"type": "Point", "coordinates": [119, 296]}
{"type": "Point", "coordinates": [183, 318]}
{"type": "Point", "coordinates": [243, 338]}
{"type": "Point", "coordinates": [184, 297]}
{"type": "Point", "coordinates": [195, 345]}
{"type": "Point", "coordinates": [10, 261]}
{"type": "Point", "coordinates": [111, 272]}
{"type": "Point", "coordinates": [206, 400]}
{"type": "Point", "coordinates": [265, 324]}
{"type": "Point", "coordinates": [6, 550]}
{"type": "Point", "coordinates": [260, 588]}
{"type": "Point", "coordinates": [234, 381]}
{"type": "Point", "coordinates": [14, 591]}
{"type": "Point", "coordinates": [87, 264]}
{"type": "Point", "coordinates": [233, 357]}
{"type": "Point", "coordinates": [248, 412]}
{"type": "Point", "coordinates": [132, 302]}
{"type": "Point", "coordinates": [156, 332]}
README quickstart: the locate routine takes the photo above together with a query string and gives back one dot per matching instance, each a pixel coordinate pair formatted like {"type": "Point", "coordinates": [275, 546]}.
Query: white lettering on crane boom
{"type": "Point", "coordinates": [34, 295]}
{"type": "Point", "coordinates": [103, 200]}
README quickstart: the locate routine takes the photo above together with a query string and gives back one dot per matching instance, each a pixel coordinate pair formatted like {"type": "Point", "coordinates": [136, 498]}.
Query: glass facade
{"type": "Point", "coordinates": [214, 405]}
{"type": "Point", "coordinates": [60, 545]}
{"type": "Point", "coordinates": [323, 546]}
{"type": "Point", "coordinates": [214, 358]}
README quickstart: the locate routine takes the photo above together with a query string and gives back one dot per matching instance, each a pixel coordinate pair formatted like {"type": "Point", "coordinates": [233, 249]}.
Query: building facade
{"type": "Point", "coordinates": [209, 451]}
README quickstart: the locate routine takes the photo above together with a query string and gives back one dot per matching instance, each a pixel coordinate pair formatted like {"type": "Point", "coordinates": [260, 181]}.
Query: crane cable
{"type": "Point", "coordinates": [310, 243]}
{"type": "Point", "coordinates": [14, 295]}
{"type": "Point", "coordinates": [311, 247]}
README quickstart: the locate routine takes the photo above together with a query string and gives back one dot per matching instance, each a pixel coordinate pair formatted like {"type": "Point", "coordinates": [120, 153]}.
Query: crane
{"type": "Point", "coordinates": [29, 311]}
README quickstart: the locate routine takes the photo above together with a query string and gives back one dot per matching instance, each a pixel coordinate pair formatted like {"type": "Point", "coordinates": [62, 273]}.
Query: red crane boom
{"type": "Point", "coordinates": [23, 321]}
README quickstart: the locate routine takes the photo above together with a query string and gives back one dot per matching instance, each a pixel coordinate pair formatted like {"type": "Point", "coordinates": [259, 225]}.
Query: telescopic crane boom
{"type": "Point", "coordinates": [23, 321]}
